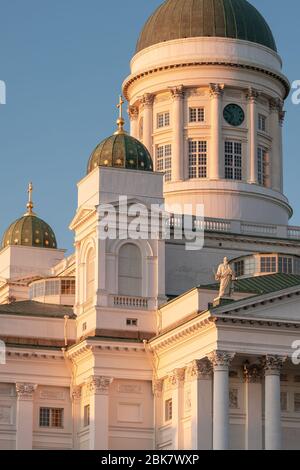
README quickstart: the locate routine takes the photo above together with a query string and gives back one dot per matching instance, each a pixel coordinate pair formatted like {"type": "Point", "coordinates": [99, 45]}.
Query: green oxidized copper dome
{"type": "Point", "coordinates": [121, 151]}
{"type": "Point", "coordinates": [30, 230]}
{"type": "Point", "coordinates": [178, 19]}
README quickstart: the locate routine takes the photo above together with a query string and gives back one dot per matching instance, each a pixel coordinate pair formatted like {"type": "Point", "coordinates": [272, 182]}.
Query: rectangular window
{"type": "Point", "coordinates": [131, 322]}
{"type": "Point", "coordinates": [163, 120]}
{"type": "Point", "coordinates": [86, 416]}
{"type": "Point", "coordinates": [297, 402]}
{"type": "Point", "coordinates": [168, 410]}
{"type": "Point", "coordinates": [68, 287]}
{"type": "Point", "coordinates": [239, 268]}
{"type": "Point", "coordinates": [285, 265]}
{"type": "Point", "coordinates": [51, 417]}
{"type": "Point", "coordinates": [262, 123]}
{"type": "Point", "coordinates": [233, 160]}
{"type": "Point", "coordinates": [262, 166]}
{"type": "Point", "coordinates": [197, 114]}
{"type": "Point", "coordinates": [197, 159]}
{"type": "Point", "coordinates": [268, 264]}
{"type": "Point", "coordinates": [297, 265]}
{"type": "Point", "coordinates": [164, 160]}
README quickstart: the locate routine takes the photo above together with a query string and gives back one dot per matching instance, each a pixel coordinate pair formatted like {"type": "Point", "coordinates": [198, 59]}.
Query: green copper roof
{"type": "Point", "coordinates": [29, 230]}
{"type": "Point", "coordinates": [178, 19]}
{"type": "Point", "coordinates": [121, 151]}
{"type": "Point", "coordinates": [262, 284]}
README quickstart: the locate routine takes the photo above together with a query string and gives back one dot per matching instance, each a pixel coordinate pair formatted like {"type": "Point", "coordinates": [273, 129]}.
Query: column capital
{"type": "Point", "coordinates": [157, 387]}
{"type": "Point", "coordinates": [221, 358]}
{"type": "Point", "coordinates": [276, 104]}
{"type": "Point", "coordinates": [273, 364]}
{"type": "Point", "coordinates": [252, 95]}
{"type": "Point", "coordinates": [253, 373]}
{"type": "Point", "coordinates": [147, 100]}
{"type": "Point", "coordinates": [200, 369]}
{"type": "Point", "coordinates": [177, 92]}
{"type": "Point", "coordinates": [99, 385]}
{"type": "Point", "coordinates": [216, 90]}
{"type": "Point", "coordinates": [25, 391]}
{"type": "Point", "coordinates": [77, 392]}
{"type": "Point", "coordinates": [133, 112]}
{"type": "Point", "coordinates": [175, 378]}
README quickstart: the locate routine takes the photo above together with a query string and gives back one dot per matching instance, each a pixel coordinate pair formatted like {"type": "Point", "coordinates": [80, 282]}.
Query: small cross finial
{"type": "Point", "coordinates": [30, 203]}
{"type": "Point", "coordinates": [121, 120]}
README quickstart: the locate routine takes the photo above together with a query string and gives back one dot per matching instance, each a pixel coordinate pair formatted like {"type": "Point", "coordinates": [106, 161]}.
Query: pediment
{"type": "Point", "coordinates": [82, 214]}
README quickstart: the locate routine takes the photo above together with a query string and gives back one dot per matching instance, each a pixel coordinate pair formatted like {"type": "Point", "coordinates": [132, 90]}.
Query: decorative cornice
{"type": "Point", "coordinates": [221, 358]}
{"type": "Point", "coordinates": [159, 69]}
{"type": "Point", "coordinates": [253, 373]}
{"type": "Point", "coordinates": [200, 369]}
{"type": "Point", "coordinates": [273, 364]}
{"type": "Point", "coordinates": [99, 385]}
{"type": "Point", "coordinates": [177, 92]}
{"type": "Point", "coordinates": [133, 112]}
{"type": "Point", "coordinates": [147, 100]}
{"type": "Point", "coordinates": [25, 391]}
{"type": "Point", "coordinates": [216, 90]}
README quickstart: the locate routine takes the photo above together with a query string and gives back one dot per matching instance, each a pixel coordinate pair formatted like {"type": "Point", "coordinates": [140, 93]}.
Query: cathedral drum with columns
{"type": "Point", "coordinates": [136, 342]}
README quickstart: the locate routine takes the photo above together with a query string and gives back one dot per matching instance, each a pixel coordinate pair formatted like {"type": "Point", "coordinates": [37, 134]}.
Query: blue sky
{"type": "Point", "coordinates": [63, 62]}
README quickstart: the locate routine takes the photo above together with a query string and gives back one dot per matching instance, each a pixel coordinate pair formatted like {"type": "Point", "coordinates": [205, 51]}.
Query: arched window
{"type": "Point", "coordinates": [90, 274]}
{"type": "Point", "coordinates": [130, 270]}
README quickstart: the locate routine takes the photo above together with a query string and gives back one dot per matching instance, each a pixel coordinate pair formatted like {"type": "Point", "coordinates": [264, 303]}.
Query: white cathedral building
{"type": "Point", "coordinates": [122, 345]}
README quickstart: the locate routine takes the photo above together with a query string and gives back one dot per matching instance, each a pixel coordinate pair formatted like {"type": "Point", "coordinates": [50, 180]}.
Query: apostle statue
{"type": "Point", "coordinates": [225, 276]}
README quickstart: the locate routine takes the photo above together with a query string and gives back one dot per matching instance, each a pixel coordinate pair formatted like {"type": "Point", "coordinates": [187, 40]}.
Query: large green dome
{"type": "Point", "coordinates": [121, 151]}
{"type": "Point", "coordinates": [178, 19]}
{"type": "Point", "coordinates": [29, 230]}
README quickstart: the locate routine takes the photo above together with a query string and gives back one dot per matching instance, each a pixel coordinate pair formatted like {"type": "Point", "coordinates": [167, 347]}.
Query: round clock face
{"type": "Point", "coordinates": [234, 115]}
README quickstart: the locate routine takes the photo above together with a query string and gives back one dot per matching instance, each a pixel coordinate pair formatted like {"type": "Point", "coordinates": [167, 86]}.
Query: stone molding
{"type": "Point", "coordinates": [253, 373]}
{"type": "Point", "coordinates": [216, 90]}
{"type": "Point", "coordinates": [252, 95]}
{"type": "Point", "coordinates": [77, 392]}
{"type": "Point", "coordinates": [25, 391]}
{"type": "Point", "coordinates": [177, 92]}
{"type": "Point", "coordinates": [99, 385]}
{"type": "Point", "coordinates": [133, 112]}
{"type": "Point", "coordinates": [157, 387]}
{"type": "Point", "coordinates": [175, 378]}
{"type": "Point", "coordinates": [147, 100]}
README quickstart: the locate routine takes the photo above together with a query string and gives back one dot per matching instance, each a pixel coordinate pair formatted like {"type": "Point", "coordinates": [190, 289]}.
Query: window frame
{"type": "Point", "coordinates": [165, 119]}
{"type": "Point", "coordinates": [164, 160]}
{"type": "Point", "coordinates": [233, 160]}
{"type": "Point", "coordinates": [198, 159]}
{"type": "Point", "coordinates": [51, 411]}
{"type": "Point", "coordinates": [199, 114]}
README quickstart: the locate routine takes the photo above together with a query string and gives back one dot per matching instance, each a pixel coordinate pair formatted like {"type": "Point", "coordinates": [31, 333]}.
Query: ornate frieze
{"type": "Point", "coordinates": [216, 90]}
{"type": "Point", "coordinates": [273, 364]}
{"type": "Point", "coordinates": [221, 358]}
{"type": "Point", "coordinates": [99, 385]}
{"type": "Point", "coordinates": [133, 112]}
{"type": "Point", "coordinates": [177, 92]}
{"type": "Point", "coordinates": [25, 391]}
{"type": "Point", "coordinates": [253, 373]}
{"type": "Point", "coordinates": [200, 369]}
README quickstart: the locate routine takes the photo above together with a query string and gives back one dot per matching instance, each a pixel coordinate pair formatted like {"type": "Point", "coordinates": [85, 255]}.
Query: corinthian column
{"type": "Point", "coordinates": [273, 437]}
{"type": "Point", "coordinates": [276, 122]}
{"type": "Point", "coordinates": [99, 408]}
{"type": "Point", "coordinates": [147, 103]}
{"type": "Point", "coordinates": [25, 392]}
{"type": "Point", "coordinates": [252, 96]}
{"type": "Point", "coordinates": [176, 382]}
{"type": "Point", "coordinates": [199, 373]}
{"type": "Point", "coordinates": [216, 167]}
{"type": "Point", "coordinates": [177, 123]}
{"type": "Point", "coordinates": [133, 112]}
{"type": "Point", "coordinates": [253, 386]}
{"type": "Point", "coordinates": [221, 361]}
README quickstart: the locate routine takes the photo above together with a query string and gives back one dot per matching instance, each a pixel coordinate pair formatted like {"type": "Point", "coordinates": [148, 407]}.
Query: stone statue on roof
{"type": "Point", "coordinates": [225, 276]}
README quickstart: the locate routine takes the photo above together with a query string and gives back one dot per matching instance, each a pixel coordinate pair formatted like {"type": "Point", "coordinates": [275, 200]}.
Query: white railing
{"type": "Point", "coordinates": [259, 229]}
{"type": "Point", "coordinates": [130, 302]}
{"type": "Point", "coordinates": [294, 232]}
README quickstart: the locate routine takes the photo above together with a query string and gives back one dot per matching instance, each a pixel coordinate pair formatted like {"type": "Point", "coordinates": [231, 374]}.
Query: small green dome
{"type": "Point", "coordinates": [178, 19]}
{"type": "Point", "coordinates": [121, 151]}
{"type": "Point", "coordinates": [29, 230]}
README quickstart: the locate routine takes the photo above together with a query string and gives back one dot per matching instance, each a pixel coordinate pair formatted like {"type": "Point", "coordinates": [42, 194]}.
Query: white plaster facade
{"type": "Point", "coordinates": [114, 347]}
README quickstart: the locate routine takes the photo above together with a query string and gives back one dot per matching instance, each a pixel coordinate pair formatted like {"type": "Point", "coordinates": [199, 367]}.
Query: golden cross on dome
{"type": "Point", "coordinates": [121, 120]}
{"type": "Point", "coordinates": [30, 203]}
